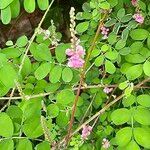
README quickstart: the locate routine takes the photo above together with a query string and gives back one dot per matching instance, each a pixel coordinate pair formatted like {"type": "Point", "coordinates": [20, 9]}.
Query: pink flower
{"type": "Point", "coordinates": [75, 61]}
{"type": "Point", "coordinates": [80, 51]}
{"type": "Point", "coordinates": [107, 90]}
{"type": "Point", "coordinates": [86, 131]}
{"type": "Point", "coordinates": [76, 57]}
{"type": "Point", "coordinates": [104, 32]}
{"type": "Point", "coordinates": [105, 143]}
{"type": "Point", "coordinates": [70, 52]}
{"type": "Point", "coordinates": [138, 18]}
{"type": "Point", "coordinates": [134, 2]}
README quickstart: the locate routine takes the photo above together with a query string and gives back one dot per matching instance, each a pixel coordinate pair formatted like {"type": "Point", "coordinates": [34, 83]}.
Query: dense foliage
{"type": "Point", "coordinates": [100, 80]}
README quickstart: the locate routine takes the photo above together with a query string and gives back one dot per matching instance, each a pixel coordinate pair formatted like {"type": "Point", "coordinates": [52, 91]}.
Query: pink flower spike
{"type": "Point", "coordinates": [107, 90]}
{"type": "Point", "coordinates": [105, 143]}
{"type": "Point", "coordinates": [104, 32]}
{"type": "Point", "coordinates": [80, 51]}
{"type": "Point", "coordinates": [134, 2]}
{"type": "Point", "coordinates": [138, 18]}
{"type": "Point", "coordinates": [86, 131]}
{"type": "Point", "coordinates": [69, 52]}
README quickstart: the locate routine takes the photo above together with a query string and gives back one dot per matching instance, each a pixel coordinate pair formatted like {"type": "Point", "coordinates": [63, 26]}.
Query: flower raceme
{"type": "Point", "coordinates": [107, 90]}
{"type": "Point", "coordinates": [138, 18]}
{"type": "Point", "coordinates": [76, 56]}
{"type": "Point", "coordinates": [105, 143]}
{"type": "Point", "coordinates": [86, 131]}
{"type": "Point", "coordinates": [104, 32]}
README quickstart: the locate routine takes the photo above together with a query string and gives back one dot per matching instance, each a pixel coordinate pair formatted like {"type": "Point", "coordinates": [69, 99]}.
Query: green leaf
{"type": "Point", "coordinates": [126, 18]}
{"type": "Point", "coordinates": [32, 127]}
{"type": "Point", "coordinates": [42, 71]}
{"type": "Point", "coordinates": [67, 74]}
{"type": "Point", "coordinates": [5, 3]}
{"type": "Point", "coordinates": [14, 112]}
{"type": "Point", "coordinates": [128, 90]}
{"type": "Point", "coordinates": [112, 55]}
{"type": "Point", "coordinates": [62, 119]}
{"type": "Point", "coordinates": [52, 87]}
{"type": "Point", "coordinates": [8, 75]}
{"type": "Point", "coordinates": [99, 61]}
{"type": "Point", "coordinates": [6, 15]}
{"type": "Point", "coordinates": [52, 110]}
{"type": "Point", "coordinates": [135, 58]}
{"type": "Point", "coordinates": [113, 2]}
{"type": "Point", "coordinates": [139, 34]}
{"type": "Point", "coordinates": [65, 97]}
{"type": "Point", "coordinates": [123, 136]}
{"type": "Point", "coordinates": [134, 72]}
{"type": "Point", "coordinates": [22, 41]}
{"type": "Point", "coordinates": [104, 5]}
{"type": "Point", "coordinates": [82, 27]}
{"type": "Point", "coordinates": [110, 22]}
{"type": "Point", "coordinates": [11, 52]}
{"type": "Point", "coordinates": [112, 38]}
{"type": "Point", "coordinates": [97, 100]}
{"type": "Point", "coordinates": [125, 51]}
{"type": "Point", "coordinates": [120, 116]}
{"type": "Point", "coordinates": [142, 116]}
{"type": "Point", "coordinates": [7, 144]}
{"type": "Point", "coordinates": [136, 47]}
{"type": "Point", "coordinates": [120, 44]}
{"type": "Point", "coordinates": [43, 52]}
{"type": "Point", "coordinates": [128, 101]}
{"type": "Point", "coordinates": [109, 66]}
{"type": "Point", "coordinates": [32, 108]}
{"type": "Point", "coordinates": [3, 60]}
{"type": "Point", "coordinates": [55, 74]}
{"type": "Point", "coordinates": [24, 144]}
{"type": "Point", "coordinates": [121, 13]}
{"type": "Point", "coordinates": [43, 4]}
{"type": "Point", "coordinates": [60, 52]}
{"type": "Point", "coordinates": [132, 146]}
{"type": "Point", "coordinates": [43, 146]}
{"type": "Point", "coordinates": [29, 5]}
{"type": "Point", "coordinates": [144, 100]}
{"type": "Point", "coordinates": [6, 125]}
{"type": "Point", "coordinates": [15, 8]}
{"type": "Point", "coordinates": [125, 34]}
{"type": "Point", "coordinates": [4, 90]}
{"type": "Point", "coordinates": [146, 68]}
{"type": "Point", "coordinates": [148, 42]}
{"type": "Point", "coordinates": [27, 66]}
{"type": "Point", "coordinates": [123, 85]}
{"type": "Point", "coordinates": [142, 137]}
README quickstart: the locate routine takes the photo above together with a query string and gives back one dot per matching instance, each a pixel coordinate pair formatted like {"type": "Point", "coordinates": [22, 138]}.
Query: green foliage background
{"type": "Point", "coordinates": [38, 114]}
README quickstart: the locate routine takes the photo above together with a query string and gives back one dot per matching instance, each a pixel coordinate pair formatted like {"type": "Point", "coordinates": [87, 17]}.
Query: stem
{"type": "Point", "coordinates": [82, 78]}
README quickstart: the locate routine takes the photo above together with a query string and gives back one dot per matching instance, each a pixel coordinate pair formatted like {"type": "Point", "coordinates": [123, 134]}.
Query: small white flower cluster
{"type": "Point", "coordinates": [74, 39]}
{"type": "Point", "coordinates": [105, 143]}
{"type": "Point", "coordinates": [50, 34]}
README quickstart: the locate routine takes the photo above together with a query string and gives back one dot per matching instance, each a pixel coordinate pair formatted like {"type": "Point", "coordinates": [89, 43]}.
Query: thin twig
{"type": "Point", "coordinates": [28, 97]}
{"type": "Point", "coordinates": [87, 109]}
